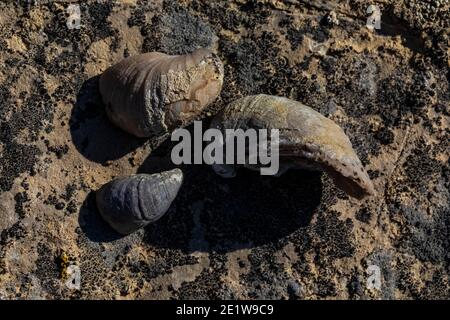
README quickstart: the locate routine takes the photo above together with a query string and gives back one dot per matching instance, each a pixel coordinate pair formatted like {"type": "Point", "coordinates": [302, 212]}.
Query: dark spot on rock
{"type": "Point", "coordinates": [25, 185]}
{"type": "Point", "coordinates": [72, 207]}
{"type": "Point", "coordinates": [59, 206]}
{"type": "Point", "coordinates": [363, 215]}
{"type": "Point", "coordinates": [59, 151]}
{"type": "Point", "coordinates": [208, 285]}
{"type": "Point", "coordinates": [373, 174]}
{"type": "Point", "coordinates": [33, 116]}
{"type": "Point", "coordinates": [335, 237]}
{"type": "Point", "coordinates": [420, 168]}
{"type": "Point", "coordinates": [70, 191]}
{"type": "Point", "coordinates": [132, 161]}
{"type": "Point", "coordinates": [15, 232]}
{"type": "Point", "coordinates": [54, 201]}
{"type": "Point", "coordinates": [294, 290]}
{"type": "Point", "coordinates": [21, 199]}
{"type": "Point", "coordinates": [176, 31]}
{"type": "Point", "coordinates": [385, 136]}
{"type": "Point", "coordinates": [266, 278]}
{"type": "Point", "coordinates": [426, 236]}
{"type": "Point", "coordinates": [355, 287]}
{"type": "Point", "coordinates": [326, 288]}
{"type": "Point", "coordinates": [47, 270]}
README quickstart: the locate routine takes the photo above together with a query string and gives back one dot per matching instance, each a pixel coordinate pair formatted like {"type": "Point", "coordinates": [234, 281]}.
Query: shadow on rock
{"type": "Point", "coordinates": [211, 213]}
{"type": "Point", "coordinates": [92, 224]}
{"type": "Point", "coordinates": [392, 26]}
{"type": "Point", "coordinates": [94, 136]}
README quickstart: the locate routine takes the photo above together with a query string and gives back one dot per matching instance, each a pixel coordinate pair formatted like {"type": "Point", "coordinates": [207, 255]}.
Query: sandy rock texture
{"type": "Point", "coordinates": [292, 237]}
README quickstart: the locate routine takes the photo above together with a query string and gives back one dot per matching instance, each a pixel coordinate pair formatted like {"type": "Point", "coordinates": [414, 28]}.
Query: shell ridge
{"type": "Point", "coordinates": [140, 213]}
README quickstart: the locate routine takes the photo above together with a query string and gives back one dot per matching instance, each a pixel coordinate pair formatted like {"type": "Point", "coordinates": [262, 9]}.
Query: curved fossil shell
{"type": "Point", "coordinates": [307, 139]}
{"type": "Point", "coordinates": [132, 202]}
{"type": "Point", "coordinates": [153, 93]}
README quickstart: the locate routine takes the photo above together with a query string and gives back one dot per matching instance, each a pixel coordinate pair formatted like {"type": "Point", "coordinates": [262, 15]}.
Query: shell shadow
{"type": "Point", "coordinates": [94, 136]}
{"type": "Point", "coordinates": [92, 224]}
{"type": "Point", "coordinates": [211, 213]}
{"type": "Point", "coordinates": [392, 26]}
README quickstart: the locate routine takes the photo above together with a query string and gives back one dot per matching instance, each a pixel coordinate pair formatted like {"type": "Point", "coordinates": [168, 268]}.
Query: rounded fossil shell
{"type": "Point", "coordinates": [307, 139]}
{"type": "Point", "coordinates": [153, 93]}
{"type": "Point", "coordinates": [130, 203]}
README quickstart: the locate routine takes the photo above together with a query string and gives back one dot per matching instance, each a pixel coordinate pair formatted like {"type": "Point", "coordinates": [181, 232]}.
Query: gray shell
{"type": "Point", "coordinates": [151, 94]}
{"type": "Point", "coordinates": [307, 139]}
{"type": "Point", "coordinates": [132, 202]}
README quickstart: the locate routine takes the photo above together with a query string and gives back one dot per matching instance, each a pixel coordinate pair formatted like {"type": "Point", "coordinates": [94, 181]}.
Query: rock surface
{"type": "Point", "coordinates": [293, 237]}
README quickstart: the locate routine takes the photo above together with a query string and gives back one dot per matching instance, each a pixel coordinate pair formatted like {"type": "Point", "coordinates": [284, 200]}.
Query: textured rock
{"type": "Point", "coordinates": [296, 236]}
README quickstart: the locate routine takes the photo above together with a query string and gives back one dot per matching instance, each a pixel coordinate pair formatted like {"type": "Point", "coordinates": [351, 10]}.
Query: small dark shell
{"type": "Point", "coordinates": [130, 203]}
{"type": "Point", "coordinates": [307, 139]}
{"type": "Point", "coordinates": [151, 94]}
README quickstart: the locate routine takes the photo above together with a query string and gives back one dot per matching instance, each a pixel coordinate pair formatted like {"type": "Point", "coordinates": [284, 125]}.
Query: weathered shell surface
{"type": "Point", "coordinates": [307, 139]}
{"type": "Point", "coordinates": [132, 202]}
{"type": "Point", "coordinates": [152, 93]}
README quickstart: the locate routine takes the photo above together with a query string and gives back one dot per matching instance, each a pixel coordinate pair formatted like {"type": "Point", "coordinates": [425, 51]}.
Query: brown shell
{"type": "Point", "coordinates": [153, 93]}
{"type": "Point", "coordinates": [307, 139]}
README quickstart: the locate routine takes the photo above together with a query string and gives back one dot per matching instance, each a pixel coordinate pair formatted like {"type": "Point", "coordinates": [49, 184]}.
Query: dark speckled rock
{"type": "Point", "coordinates": [242, 238]}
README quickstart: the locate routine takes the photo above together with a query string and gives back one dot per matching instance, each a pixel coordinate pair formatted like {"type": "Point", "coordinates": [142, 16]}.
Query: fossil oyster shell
{"type": "Point", "coordinates": [307, 140]}
{"type": "Point", "coordinates": [130, 203]}
{"type": "Point", "coordinates": [151, 94]}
